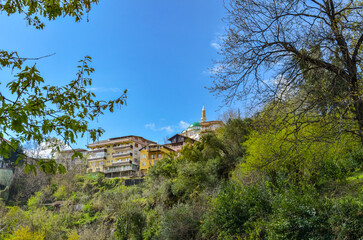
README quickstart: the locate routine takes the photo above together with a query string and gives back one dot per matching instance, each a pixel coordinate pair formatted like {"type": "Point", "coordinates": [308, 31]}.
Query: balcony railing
{"type": "Point", "coordinates": [120, 169]}
{"type": "Point", "coordinates": [151, 149]}
{"type": "Point", "coordinates": [97, 155]}
{"type": "Point", "coordinates": [121, 163]}
{"type": "Point", "coordinates": [122, 147]}
{"type": "Point", "coordinates": [128, 154]}
{"type": "Point", "coordinates": [97, 150]}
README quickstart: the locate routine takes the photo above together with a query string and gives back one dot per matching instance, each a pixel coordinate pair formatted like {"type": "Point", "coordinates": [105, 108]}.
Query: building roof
{"type": "Point", "coordinates": [74, 150]}
{"type": "Point", "coordinates": [181, 136]}
{"type": "Point", "coordinates": [119, 139]}
{"type": "Point", "coordinates": [156, 145]}
{"type": "Point", "coordinates": [195, 124]}
{"type": "Point", "coordinates": [212, 123]}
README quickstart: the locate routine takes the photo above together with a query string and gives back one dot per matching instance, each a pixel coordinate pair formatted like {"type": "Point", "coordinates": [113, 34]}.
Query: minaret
{"type": "Point", "coordinates": [204, 118]}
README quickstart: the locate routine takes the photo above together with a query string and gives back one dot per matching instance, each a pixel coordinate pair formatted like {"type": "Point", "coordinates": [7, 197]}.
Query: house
{"type": "Point", "coordinates": [178, 141]}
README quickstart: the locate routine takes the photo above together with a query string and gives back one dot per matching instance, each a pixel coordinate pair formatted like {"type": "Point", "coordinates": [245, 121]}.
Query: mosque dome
{"type": "Point", "coordinates": [195, 124]}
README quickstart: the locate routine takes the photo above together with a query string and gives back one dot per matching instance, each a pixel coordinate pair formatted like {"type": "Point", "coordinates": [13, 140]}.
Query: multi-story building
{"type": "Point", "coordinates": [151, 154]}
{"type": "Point", "coordinates": [196, 129]}
{"type": "Point", "coordinates": [116, 157]}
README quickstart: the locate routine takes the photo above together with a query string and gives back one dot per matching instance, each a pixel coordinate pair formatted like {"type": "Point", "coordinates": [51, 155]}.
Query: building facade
{"type": "Point", "coordinates": [116, 157]}
{"type": "Point", "coordinates": [151, 154]}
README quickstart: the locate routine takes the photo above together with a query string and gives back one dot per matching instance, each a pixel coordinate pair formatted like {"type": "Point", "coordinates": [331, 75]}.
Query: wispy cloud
{"type": "Point", "coordinates": [215, 45]}
{"type": "Point", "coordinates": [168, 129]}
{"type": "Point", "coordinates": [150, 126]}
{"type": "Point", "coordinates": [183, 125]}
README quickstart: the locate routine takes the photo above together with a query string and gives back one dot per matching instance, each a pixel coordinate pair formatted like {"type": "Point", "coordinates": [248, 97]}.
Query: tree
{"type": "Point", "coordinates": [270, 50]}
{"type": "Point", "coordinates": [31, 110]}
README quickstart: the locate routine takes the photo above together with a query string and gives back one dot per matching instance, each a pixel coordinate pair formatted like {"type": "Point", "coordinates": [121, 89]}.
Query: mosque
{"type": "Point", "coordinates": [196, 129]}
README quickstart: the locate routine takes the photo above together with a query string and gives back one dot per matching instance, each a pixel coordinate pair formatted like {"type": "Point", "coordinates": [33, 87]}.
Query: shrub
{"type": "Point", "coordinates": [236, 210]}
{"type": "Point", "coordinates": [131, 221]}
{"type": "Point", "coordinates": [182, 222]}
{"type": "Point", "coordinates": [299, 215]}
{"type": "Point", "coordinates": [346, 218]}
{"type": "Point", "coordinates": [24, 234]}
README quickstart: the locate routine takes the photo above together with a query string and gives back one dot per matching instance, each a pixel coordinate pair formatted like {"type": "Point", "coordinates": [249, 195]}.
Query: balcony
{"type": "Point", "coordinates": [123, 147]}
{"type": "Point", "coordinates": [128, 154]}
{"type": "Point", "coordinates": [96, 156]}
{"type": "Point", "coordinates": [121, 169]}
{"type": "Point", "coordinates": [121, 163]}
{"type": "Point", "coordinates": [154, 148]}
{"type": "Point", "coordinates": [98, 150]}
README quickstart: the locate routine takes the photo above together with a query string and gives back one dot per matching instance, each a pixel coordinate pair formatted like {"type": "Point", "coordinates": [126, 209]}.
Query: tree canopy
{"type": "Point", "coordinates": [282, 49]}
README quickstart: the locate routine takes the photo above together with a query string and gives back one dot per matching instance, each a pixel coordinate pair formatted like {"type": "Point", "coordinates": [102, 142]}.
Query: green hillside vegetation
{"type": "Point", "coordinates": [249, 180]}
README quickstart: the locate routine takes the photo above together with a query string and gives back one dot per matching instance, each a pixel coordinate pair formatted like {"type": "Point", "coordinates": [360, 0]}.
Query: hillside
{"type": "Point", "coordinates": [237, 183]}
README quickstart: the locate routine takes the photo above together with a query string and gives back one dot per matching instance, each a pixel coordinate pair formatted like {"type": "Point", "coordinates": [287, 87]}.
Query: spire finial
{"type": "Point", "coordinates": [204, 118]}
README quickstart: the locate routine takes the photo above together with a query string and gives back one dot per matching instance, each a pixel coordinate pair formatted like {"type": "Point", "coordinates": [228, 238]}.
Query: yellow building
{"type": "Point", "coordinates": [151, 154]}
{"type": "Point", "coordinates": [116, 157]}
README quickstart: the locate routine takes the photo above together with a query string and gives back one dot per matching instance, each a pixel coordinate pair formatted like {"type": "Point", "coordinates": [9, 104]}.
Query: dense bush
{"type": "Point", "coordinates": [182, 222]}
{"type": "Point", "coordinates": [236, 210]}
{"type": "Point", "coordinates": [299, 215]}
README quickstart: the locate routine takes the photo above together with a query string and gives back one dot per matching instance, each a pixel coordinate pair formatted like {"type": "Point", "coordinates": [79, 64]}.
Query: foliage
{"type": "Point", "coordinates": [35, 10]}
{"type": "Point", "coordinates": [297, 154]}
{"type": "Point", "coordinates": [182, 222]}
{"type": "Point", "coordinates": [25, 234]}
{"type": "Point", "coordinates": [299, 215]}
{"type": "Point", "coordinates": [131, 221]}
{"type": "Point", "coordinates": [346, 217]}
{"type": "Point", "coordinates": [236, 210]}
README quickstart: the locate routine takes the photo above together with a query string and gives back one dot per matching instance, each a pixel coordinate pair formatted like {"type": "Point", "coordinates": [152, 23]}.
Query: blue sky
{"type": "Point", "coordinates": [159, 50]}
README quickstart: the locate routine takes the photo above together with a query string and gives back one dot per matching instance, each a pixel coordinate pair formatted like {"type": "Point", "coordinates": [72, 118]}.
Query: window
{"type": "Point", "coordinates": [136, 145]}
{"type": "Point", "coordinates": [153, 156]}
{"type": "Point", "coordinates": [150, 163]}
{"type": "Point", "coordinates": [159, 155]}
{"type": "Point", "coordinates": [94, 164]}
{"type": "Point", "coordinates": [143, 155]}
{"type": "Point", "coordinates": [108, 146]}
{"type": "Point", "coordinates": [100, 163]}
{"type": "Point", "coordinates": [144, 164]}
